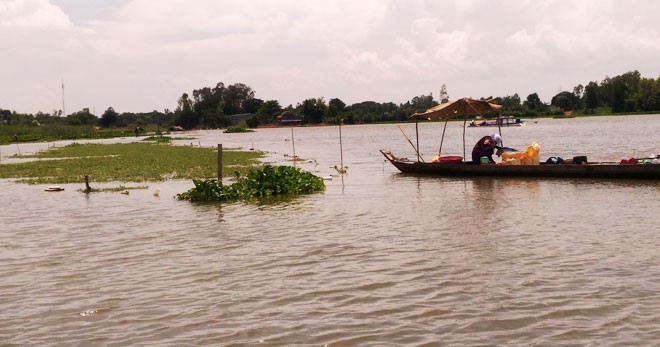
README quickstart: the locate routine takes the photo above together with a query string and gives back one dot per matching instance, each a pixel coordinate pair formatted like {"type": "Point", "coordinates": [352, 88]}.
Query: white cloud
{"type": "Point", "coordinates": [146, 54]}
{"type": "Point", "coordinates": [32, 13]}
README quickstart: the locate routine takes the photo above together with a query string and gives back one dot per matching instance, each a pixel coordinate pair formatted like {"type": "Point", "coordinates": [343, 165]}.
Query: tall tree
{"type": "Point", "coordinates": [422, 103]}
{"type": "Point", "coordinates": [444, 96]}
{"type": "Point", "coordinates": [252, 105]}
{"type": "Point", "coordinates": [313, 110]}
{"type": "Point", "coordinates": [509, 102]}
{"type": "Point", "coordinates": [648, 95]}
{"type": "Point", "coordinates": [591, 96]}
{"type": "Point", "coordinates": [578, 90]}
{"type": "Point", "coordinates": [566, 100]}
{"type": "Point", "coordinates": [109, 118]}
{"type": "Point", "coordinates": [533, 102]}
{"type": "Point", "coordinates": [184, 115]}
{"type": "Point", "coordinates": [268, 111]}
{"type": "Point", "coordinates": [81, 118]}
{"type": "Point", "coordinates": [184, 104]}
{"type": "Point", "coordinates": [618, 95]}
{"type": "Point", "coordinates": [619, 92]}
{"type": "Point", "coordinates": [336, 107]}
{"type": "Point", "coordinates": [235, 96]}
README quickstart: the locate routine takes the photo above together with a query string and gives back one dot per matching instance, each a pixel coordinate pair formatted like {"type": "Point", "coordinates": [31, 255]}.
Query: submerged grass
{"type": "Point", "coordinates": [120, 188]}
{"type": "Point", "coordinates": [162, 139]}
{"type": "Point", "coordinates": [129, 162]}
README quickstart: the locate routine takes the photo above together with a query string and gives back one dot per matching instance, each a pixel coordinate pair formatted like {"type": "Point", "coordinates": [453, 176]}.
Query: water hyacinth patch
{"type": "Point", "coordinates": [260, 182]}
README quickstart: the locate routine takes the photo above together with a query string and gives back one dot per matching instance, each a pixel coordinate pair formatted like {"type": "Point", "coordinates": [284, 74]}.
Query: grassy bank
{"type": "Point", "coordinates": [131, 162]}
{"type": "Point", "coordinates": [56, 132]}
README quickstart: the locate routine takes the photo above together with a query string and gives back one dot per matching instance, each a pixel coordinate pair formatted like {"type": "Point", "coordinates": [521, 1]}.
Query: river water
{"type": "Point", "coordinates": [378, 259]}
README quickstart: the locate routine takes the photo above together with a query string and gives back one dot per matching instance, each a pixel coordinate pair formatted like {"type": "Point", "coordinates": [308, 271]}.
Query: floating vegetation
{"type": "Point", "coordinates": [159, 139]}
{"type": "Point", "coordinates": [261, 182]}
{"type": "Point", "coordinates": [237, 129]}
{"type": "Point", "coordinates": [120, 188]}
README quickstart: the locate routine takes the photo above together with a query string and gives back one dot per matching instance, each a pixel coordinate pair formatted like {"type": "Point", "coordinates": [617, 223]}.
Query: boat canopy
{"type": "Point", "coordinates": [454, 109]}
{"type": "Point", "coordinates": [459, 108]}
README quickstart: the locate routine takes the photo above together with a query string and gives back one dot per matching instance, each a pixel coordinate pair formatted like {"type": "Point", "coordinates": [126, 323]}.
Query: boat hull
{"type": "Point", "coordinates": [588, 170]}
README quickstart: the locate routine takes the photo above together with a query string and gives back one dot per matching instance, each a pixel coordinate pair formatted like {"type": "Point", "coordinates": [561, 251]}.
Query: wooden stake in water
{"type": "Point", "coordinates": [220, 164]}
{"type": "Point", "coordinates": [88, 189]}
{"type": "Point", "coordinates": [341, 150]}
{"type": "Point", "coordinates": [293, 143]}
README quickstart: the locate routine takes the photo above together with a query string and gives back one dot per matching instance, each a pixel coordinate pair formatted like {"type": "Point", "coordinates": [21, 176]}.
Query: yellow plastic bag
{"type": "Point", "coordinates": [529, 157]}
{"type": "Point", "coordinates": [532, 154]}
{"type": "Point", "coordinates": [511, 158]}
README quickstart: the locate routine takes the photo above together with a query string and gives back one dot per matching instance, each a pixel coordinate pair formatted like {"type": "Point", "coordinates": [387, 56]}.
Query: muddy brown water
{"type": "Point", "coordinates": [378, 259]}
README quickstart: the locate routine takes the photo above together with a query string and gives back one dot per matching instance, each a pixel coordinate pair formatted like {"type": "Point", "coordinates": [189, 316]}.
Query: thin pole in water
{"type": "Point", "coordinates": [293, 143]}
{"type": "Point", "coordinates": [88, 189]}
{"type": "Point", "coordinates": [341, 148]}
{"type": "Point", "coordinates": [220, 163]}
{"type": "Point", "coordinates": [417, 138]}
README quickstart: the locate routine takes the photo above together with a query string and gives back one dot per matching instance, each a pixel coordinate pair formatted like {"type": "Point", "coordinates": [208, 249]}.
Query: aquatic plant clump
{"type": "Point", "coordinates": [260, 182]}
{"type": "Point", "coordinates": [237, 129]}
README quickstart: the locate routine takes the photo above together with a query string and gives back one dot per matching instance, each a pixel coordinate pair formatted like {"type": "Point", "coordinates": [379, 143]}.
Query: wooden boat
{"type": "Point", "coordinates": [577, 167]}
{"type": "Point", "coordinates": [607, 170]}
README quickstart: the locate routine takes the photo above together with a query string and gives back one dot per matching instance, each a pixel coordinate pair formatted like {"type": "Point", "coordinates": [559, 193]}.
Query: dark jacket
{"type": "Point", "coordinates": [481, 149]}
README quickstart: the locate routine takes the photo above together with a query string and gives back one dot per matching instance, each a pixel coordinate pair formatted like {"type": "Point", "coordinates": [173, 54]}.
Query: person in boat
{"type": "Point", "coordinates": [486, 147]}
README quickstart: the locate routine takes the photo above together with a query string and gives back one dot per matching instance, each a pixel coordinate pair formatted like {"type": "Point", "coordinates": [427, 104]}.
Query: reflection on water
{"type": "Point", "coordinates": [379, 258]}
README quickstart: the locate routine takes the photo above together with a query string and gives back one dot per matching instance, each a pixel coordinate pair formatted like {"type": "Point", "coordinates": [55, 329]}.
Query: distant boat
{"type": "Point", "coordinates": [504, 121]}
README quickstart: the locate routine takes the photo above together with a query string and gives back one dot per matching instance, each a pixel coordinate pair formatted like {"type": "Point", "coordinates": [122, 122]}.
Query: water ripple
{"type": "Point", "coordinates": [378, 259]}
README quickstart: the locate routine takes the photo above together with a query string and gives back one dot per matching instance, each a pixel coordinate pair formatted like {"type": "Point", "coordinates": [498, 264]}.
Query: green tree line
{"type": "Point", "coordinates": [214, 107]}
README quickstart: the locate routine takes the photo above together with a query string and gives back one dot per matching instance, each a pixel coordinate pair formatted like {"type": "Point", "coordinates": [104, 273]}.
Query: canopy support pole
{"type": "Point", "coordinates": [499, 128]}
{"type": "Point", "coordinates": [417, 138]}
{"type": "Point", "coordinates": [464, 124]}
{"type": "Point", "coordinates": [443, 137]}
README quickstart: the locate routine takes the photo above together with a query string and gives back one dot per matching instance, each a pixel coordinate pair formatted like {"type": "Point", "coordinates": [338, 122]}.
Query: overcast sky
{"type": "Point", "coordinates": [142, 55]}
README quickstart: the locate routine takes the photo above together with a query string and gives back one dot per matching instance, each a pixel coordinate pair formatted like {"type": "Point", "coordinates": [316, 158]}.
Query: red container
{"type": "Point", "coordinates": [451, 159]}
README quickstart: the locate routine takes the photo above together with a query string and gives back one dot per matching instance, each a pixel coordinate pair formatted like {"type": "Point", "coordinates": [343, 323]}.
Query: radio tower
{"type": "Point", "coordinates": [63, 108]}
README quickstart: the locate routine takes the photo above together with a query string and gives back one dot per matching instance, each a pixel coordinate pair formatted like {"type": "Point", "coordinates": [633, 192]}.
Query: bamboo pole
{"type": "Point", "coordinates": [220, 164]}
{"type": "Point", "coordinates": [419, 156]}
{"type": "Point", "coordinates": [341, 149]}
{"type": "Point", "coordinates": [499, 128]}
{"type": "Point", "coordinates": [443, 137]}
{"type": "Point", "coordinates": [464, 124]}
{"type": "Point", "coordinates": [417, 138]}
{"type": "Point", "coordinates": [293, 143]}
